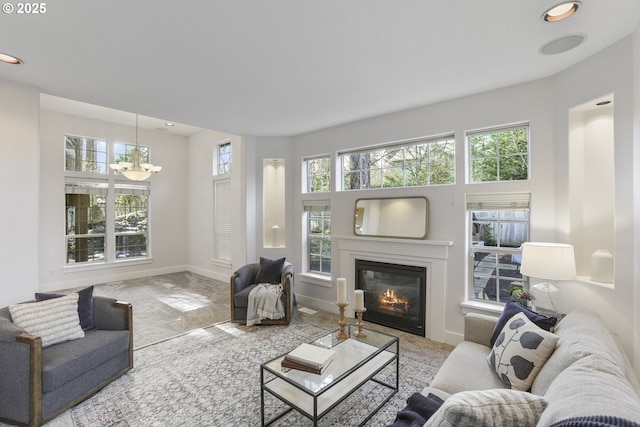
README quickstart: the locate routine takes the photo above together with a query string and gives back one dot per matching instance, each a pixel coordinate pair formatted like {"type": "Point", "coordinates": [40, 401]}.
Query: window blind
{"type": "Point", "coordinates": [222, 219]}
{"type": "Point", "coordinates": [498, 201]}
{"type": "Point", "coordinates": [316, 205]}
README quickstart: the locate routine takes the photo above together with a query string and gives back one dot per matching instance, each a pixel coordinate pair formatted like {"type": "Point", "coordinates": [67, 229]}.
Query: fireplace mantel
{"type": "Point", "coordinates": [432, 254]}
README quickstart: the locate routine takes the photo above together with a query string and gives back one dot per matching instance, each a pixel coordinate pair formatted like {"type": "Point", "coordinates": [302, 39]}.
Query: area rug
{"type": "Point", "coordinates": [211, 377]}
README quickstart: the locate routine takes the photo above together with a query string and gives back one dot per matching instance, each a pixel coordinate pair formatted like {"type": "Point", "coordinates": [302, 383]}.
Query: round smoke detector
{"type": "Point", "coordinates": [562, 44]}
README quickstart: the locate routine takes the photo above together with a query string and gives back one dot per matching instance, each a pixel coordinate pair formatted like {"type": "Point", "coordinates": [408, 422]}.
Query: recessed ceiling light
{"type": "Point", "coordinates": [9, 59]}
{"type": "Point", "coordinates": [169, 124]}
{"type": "Point", "coordinates": [561, 11]}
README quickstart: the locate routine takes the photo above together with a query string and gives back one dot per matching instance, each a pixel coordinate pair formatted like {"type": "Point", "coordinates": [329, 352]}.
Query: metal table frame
{"type": "Point", "coordinates": [363, 372]}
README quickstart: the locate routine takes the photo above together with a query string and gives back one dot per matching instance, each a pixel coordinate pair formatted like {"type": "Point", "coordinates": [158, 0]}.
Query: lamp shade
{"type": "Point", "coordinates": [549, 261]}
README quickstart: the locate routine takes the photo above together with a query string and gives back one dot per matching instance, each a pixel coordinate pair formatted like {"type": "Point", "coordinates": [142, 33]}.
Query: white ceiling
{"type": "Point", "coordinates": [284, 67]}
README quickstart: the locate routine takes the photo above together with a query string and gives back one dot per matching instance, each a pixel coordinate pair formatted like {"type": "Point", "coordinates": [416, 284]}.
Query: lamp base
{"type": "Point", "coordinates": [546, 298]}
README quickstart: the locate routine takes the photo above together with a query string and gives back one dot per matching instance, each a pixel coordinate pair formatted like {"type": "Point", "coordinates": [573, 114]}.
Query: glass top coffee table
{"type": "Point", "coordinates": [356, 362]}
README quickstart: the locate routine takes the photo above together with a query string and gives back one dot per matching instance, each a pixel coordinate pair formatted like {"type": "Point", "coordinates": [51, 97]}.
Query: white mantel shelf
{"type": "Point", "coordinates": [394, 240]}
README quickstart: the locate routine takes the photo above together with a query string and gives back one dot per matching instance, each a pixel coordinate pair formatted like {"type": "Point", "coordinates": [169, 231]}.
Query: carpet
{"type": "Point", "coordinates": [211, 377]}
{"type": "Point", "coordinates": [167, 305]}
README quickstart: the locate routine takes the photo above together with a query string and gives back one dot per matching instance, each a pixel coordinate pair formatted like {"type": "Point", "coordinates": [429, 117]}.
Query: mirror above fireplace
{"type": "Point", "coordinates": [398, 217]}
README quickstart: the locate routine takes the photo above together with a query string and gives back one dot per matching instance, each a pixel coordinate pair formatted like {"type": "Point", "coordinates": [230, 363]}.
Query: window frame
{"type": "Point", "coordinates": [113, 183]}
{"type": "Point", "coordinates": [222, 161]}
{"type": "Point", "coordinates": [309, 174]}
{"type": "Point", "coordinates": [496, 202]}
{"type": "Point", "coordinates": [498, 156]}
{"type": "Point", "coordinates": [388, 153]}
{"type": "Point", "coordinates": [324, 208]}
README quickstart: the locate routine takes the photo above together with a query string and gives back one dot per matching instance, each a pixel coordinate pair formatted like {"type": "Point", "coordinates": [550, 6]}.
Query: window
{"type": "Point", "coordinates": [318, 175]}
{"type": "Point", "coordinates": [222, 219]}
{"type": "Point", "coordinates": [425, 162]}
{"type": "Point", "coordinates": [130, 222]}
{"type": "Point", "coordinates": [221, 202]}
{"type": "Point", "coordinates": [85, 204]}
{"type": "Point", "coordinates": [85, 154]}
{"type": "Point", "coordinates": [222, 163]}
{"type": "Point", "coordinates": [124, 153]}
{"type": "Point", "coordinates": [499, 154]}
{"type": "Point", "coordinates": [106, 219]}
{"type": "Point", "coordinates": [318, 237]}
{"type": "Point", "coordinates": [499, 225]}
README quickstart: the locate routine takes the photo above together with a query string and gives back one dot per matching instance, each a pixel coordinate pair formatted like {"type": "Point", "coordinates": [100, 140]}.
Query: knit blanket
{"type": "Point", "coordinates": [596, 421]}
{"type": "Point", "coordinates": [265, 303]}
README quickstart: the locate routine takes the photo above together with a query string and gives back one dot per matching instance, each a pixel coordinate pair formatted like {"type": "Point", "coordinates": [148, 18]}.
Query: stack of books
{"type": "Point", "coordinates": [308, 358]}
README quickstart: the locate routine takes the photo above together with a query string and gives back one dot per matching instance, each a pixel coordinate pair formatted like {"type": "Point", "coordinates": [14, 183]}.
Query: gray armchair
{"type": "Point", "coordinates": [243, 281]}
{"type": "Point", "coordinates": [37, 384]}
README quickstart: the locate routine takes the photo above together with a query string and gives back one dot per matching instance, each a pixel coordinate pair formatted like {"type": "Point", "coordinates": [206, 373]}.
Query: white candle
{"type": "Point", "coordinates": [359, 299]}
{"type": "Point", "coordinates": [342, 290]}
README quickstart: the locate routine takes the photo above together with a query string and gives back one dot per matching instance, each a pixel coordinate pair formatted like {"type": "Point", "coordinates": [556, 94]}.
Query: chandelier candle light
{"type": "Point", "coordinates": [136, 171]}
{"type": "Point", "coordinates": [342, 303]}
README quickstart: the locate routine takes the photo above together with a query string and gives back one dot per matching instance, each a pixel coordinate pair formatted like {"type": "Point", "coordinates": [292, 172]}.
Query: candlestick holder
{"type": "Point", "coordinates": [342, 322]}
{"type": "Point", "coordinates": [359, 311]}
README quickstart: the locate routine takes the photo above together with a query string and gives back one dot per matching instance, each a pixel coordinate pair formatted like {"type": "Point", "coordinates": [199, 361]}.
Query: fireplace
{"type": "Point", "coordinates": [394, 294]}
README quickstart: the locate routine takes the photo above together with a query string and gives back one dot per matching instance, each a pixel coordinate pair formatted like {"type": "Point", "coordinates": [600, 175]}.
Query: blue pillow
{"type": "Point", "coordinates": [511, 308]}
{"type": "Point", "coordinates": [85, 306]}
{"type": "Point", "coordinates": [270, 270]}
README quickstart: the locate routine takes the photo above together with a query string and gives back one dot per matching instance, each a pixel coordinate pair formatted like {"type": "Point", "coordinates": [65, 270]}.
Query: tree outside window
{"type": "Point", "coordinates": [90, 232]}
{"type": "Point", "coordinates": [318, 175]}
{"type": "Point", "coordinates": [426, 162]}
{"type": "Point", "coordinates": [499, 155]}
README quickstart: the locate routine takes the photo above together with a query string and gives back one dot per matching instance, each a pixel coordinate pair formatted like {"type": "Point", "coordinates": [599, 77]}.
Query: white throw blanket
{"type": "Point", "coordinates": [265, 303]}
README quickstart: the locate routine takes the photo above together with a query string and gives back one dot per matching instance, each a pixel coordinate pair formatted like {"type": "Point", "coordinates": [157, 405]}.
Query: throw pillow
{"type": "Point", "coordinates": [520, 351]}
{"type": "Point", "coordinates": [85, 306]}
{"type": "Point", "coordinates": [511, 308]}
{"type": "Point", "coordinates": [489, 408]}
{"type": "Point", "coordinates": [55, 320]}
{"type": "Point", "coordinates": [270, 270]}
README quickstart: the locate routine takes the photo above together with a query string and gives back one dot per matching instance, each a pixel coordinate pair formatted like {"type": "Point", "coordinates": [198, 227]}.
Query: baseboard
{"type": "Point", "coordinates": [453, 338]}
{"type": "Point", "coordinates": [107, 278]}
{"type": "Point", "coordinates": [316, 303]}
{"type": "Point", "coordinates": [208, 273]}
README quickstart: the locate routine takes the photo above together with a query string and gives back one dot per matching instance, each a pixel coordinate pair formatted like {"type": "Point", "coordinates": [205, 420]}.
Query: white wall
{"type": "Point", "coordinates": [168, 214]}
{"type": "Point", "coordinates": [532, 102]}
{"type": "Point", "coordinates": [609, 71]}
{"type": "Point", "coordinates": [635, 142]}
{"type": "Point", "coordinates": [545, 104]}
{"type": "Point", "coordinates": [19, 181]}
{"type": "Point", "coordinates": [269, 148]}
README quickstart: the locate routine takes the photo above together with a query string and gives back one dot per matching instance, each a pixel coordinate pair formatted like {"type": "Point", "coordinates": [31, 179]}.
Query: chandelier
{"type": "Point", "coordinates": [136, 171]}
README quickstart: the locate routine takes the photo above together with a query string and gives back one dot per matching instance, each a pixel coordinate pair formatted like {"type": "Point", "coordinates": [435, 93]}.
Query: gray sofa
{"type": "Point", "coordinates": [37, 384]}
{"type": "Point", "coordinates": [587, 375]}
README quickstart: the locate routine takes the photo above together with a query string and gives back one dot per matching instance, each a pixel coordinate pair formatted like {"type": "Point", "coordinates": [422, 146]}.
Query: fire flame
{"type": "Point", "coordinates": [389, 300]}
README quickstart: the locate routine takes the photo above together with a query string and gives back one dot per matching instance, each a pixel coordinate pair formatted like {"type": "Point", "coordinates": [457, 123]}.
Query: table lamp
{"type": "Point", "coordinates": [549, 262]}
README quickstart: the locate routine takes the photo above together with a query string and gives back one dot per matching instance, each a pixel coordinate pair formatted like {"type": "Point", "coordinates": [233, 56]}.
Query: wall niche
{"type": "Point", "coordinates": [273, 203]}
{"type": "Point", "coordinates": [592, 184]}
